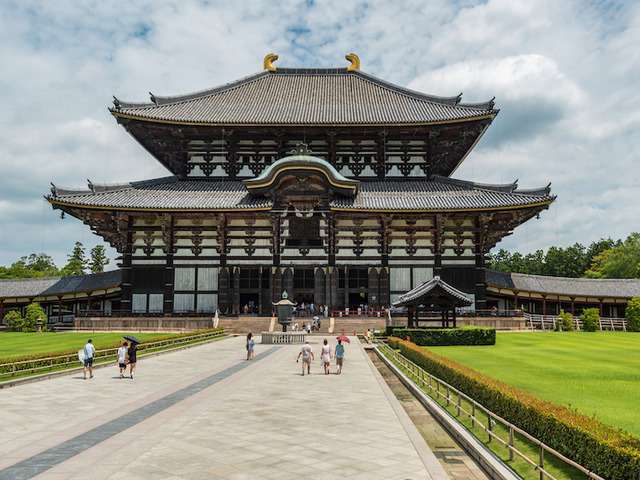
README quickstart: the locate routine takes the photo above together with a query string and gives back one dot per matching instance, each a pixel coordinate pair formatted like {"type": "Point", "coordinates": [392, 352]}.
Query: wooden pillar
{"type": "Point", "coordinates": [515, 300]}
{"type": "Point", "coordinates": [126, 268]}
{"type": "Point", "coordinates": [480, 272]}
{"type": "Point", "coordinates": [374, 290]}
{"type": "Point", "coordinates": [438, 223]}
{"type": "Point", "coordinates": [319, 297]}
{"type": "Point", "coordinates": [454, 317]}
{"type": "Point", "coordinates": [169, 270]}
{"type": "Point", "coordinates": [600, 306]}
{"type": "Point", "coordinates": [383, 287]}
{"type": "Point", "coordinates": [573, 305]}
{"type": "Point", "coordinates": [544, 305]}
{"type": "Point", "coordinates": [260, 290]}
{"type": "Point", "coordinates": [346, 288]}
{"type": "Point", "coordinates": [235, 272]}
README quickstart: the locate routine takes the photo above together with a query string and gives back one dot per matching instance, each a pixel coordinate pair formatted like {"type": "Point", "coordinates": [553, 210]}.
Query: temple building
{"type": "Point", "coordinates": [331, 184]}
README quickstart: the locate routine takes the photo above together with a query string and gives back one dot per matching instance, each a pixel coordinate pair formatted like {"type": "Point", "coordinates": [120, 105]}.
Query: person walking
{"type": "Point", "coordinates": [122, 358]}
{"type": "Point", "coordinates": [339, 356]}
{"type": "Point", "coordinates": [89, 353]}
{"type": "Point", "coordinates": [326, 356]}
{"type": "Point", "coordinates": [132, 354]}
{"type": "Point", "coordinates": [250, 346]}
{"type": "Point", "coordinates": [306, 352]}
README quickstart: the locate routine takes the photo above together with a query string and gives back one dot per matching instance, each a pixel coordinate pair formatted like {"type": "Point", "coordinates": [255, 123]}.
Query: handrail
{"type": "Point", "coordinates": [549, 322]}
{"type": "Point", "coordinates": [441, 389]}
{"type": "Point", "coordinates": [22, 366]}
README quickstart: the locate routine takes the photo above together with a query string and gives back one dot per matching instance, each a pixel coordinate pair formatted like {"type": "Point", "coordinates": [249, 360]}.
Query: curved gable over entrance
{"type": "Point", "coordinates": [304, 169]}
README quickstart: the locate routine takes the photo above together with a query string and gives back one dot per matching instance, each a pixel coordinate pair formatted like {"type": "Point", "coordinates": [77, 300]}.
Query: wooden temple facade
{"type": "Point", "coordinates": [330, 184]}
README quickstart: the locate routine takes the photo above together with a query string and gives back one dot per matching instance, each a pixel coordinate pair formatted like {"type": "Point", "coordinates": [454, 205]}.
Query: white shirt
{"type": "Point", "coordinates": [122, 354]}
{"type": "Point", "coordinates": [306, 351]}
{"type": "Point", "coordinates": [89, 350]}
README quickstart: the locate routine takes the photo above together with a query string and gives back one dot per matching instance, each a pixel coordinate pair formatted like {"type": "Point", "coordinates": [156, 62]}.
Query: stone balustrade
{"type": "Point", "coordinates": [283, 337]}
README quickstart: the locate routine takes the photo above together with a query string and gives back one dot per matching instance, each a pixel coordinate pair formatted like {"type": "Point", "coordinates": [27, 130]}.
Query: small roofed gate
{"type": "Point", "coordinates": [434, 295]}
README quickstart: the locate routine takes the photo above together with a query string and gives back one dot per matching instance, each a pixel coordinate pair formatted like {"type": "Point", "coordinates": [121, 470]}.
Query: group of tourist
{"type": "Point", "coordinates": [306, 309]}
{"type": "Point", "coordinates": [127, 356]}
{"type": "Point", "coordinates": [306, 352]}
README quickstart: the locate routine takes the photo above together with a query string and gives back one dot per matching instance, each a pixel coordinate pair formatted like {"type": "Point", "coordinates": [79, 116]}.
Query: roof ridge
{"type": "Point", "coordinates": [574, 279]}
{"type": "Point", "coordinates": [28, 279]}
{"type": "Point", "coordinates": [494, 187]}
{"type": "Point", "coordinates": [158, 100]}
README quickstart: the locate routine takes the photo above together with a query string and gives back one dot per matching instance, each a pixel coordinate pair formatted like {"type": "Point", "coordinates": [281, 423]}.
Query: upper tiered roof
{"type": "Point", "coordinates": [306, 97]}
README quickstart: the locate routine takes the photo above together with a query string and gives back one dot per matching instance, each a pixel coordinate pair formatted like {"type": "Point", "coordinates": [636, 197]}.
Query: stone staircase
{"type": "Point", "coordinates": [346, 325]}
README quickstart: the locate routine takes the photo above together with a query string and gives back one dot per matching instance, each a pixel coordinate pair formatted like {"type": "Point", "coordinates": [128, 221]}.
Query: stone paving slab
{"type": "Point", "coordinates": [263, 421]}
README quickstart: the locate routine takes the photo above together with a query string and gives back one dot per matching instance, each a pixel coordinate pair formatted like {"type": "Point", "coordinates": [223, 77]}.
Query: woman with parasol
{"type": "Point", "coordinates": [132, 353]}
{"type": "Point", "coordinates": [339, 352]}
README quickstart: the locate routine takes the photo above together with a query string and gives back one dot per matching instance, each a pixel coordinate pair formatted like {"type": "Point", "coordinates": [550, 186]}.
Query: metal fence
{"type": "Point", "coordinates": [552, 322]}
{"type": "Point", "coordinates": [62, 362]}
{"type": "Point", "coordinates": [442, 391]}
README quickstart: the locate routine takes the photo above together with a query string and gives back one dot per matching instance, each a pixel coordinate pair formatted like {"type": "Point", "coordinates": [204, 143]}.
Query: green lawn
{"type": "Point", "coordinates": [596, 373]}
{"type": "Point", "coordinates": [16, 344]}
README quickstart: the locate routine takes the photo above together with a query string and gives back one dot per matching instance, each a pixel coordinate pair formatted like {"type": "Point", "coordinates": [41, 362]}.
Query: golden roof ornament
{"type": "Point", "coordinates": [355, 62]}
{"type": "Point", "coordinates": [267, 64]}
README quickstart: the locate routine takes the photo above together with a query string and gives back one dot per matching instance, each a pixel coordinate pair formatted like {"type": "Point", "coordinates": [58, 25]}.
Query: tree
{"type": "Point", "coordinates": [98, 259]}
{"type": "Point", "coordinates": [633, 315]}
{"type": "Point", "coordinates": [590, 319]}
{"type": "Point", "coordinates": [32, 266]}
{"type": "Point", "coordinates": [13, 319]}
{"type": "Point", "coordinates": [565, 321]}
{"type": "Point", "coordinates": [33, 315]}
{"type": "Point", "coordinates": [621, 261]}
{"type": "Point", "coordinates": [77, 261]}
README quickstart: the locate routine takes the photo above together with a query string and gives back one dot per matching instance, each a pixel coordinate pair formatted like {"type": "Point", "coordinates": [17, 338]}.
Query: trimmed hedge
{"type": "Point", "coordinates": [448, 336]}
{"type": "Point", "coordinates": [38, 359]}
{"type": "Point", "coordinates": [611, 453]}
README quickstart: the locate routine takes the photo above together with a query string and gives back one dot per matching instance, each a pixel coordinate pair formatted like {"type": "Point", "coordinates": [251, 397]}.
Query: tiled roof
{"type": "Point", "coordinates": [306, 97]}
{"type": "Point", "coordinates": [43, 287]}
{"type": "Point", "coordinates": [436, 285]}
{"type": "Point", "coordinates": [572, 287]}
{"type": "Point", "coordinates": [166, 193]}
{"type": "Point", "coordinates": [169, 193]}
{"type": "Point", "coordinates": [441, 193]}
{"type": "Point", "coordinates": [25, 287]}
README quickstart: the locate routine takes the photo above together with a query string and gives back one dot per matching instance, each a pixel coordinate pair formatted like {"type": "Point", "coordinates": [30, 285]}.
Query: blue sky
{"type": "Point", "coordinates": [564, 74]}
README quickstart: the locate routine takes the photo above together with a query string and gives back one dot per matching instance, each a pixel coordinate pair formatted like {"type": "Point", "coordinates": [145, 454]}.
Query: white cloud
{"type": "Point", "coordinates": [564, 74]}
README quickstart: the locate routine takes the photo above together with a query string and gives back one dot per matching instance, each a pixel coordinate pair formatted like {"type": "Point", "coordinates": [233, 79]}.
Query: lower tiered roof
{"type": "Point", "coordinates": [174, 194]}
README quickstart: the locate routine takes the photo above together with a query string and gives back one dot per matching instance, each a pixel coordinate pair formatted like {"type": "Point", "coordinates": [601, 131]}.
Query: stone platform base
{"type": "Point", "coordinates": [245, 324]}
{"type": "Point", "coordinates": [143, 324]}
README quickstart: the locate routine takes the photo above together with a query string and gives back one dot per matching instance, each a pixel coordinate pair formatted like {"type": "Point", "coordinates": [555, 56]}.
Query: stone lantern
{"type": "Point", "coordinates": [284, 307]}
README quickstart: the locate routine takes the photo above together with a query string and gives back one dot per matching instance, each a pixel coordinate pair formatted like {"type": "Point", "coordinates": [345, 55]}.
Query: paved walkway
{"type": "Point", "coordinates": [206, 413]}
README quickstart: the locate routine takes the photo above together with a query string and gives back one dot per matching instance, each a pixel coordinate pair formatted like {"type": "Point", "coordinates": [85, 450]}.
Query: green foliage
{"type": "Point", "coordinates": [34, 314]}
{"type": "Point", "coordinates": [633, 315]}
{"type": "Point", "coordinates": [77, 261]}
{"type": "Point", "coordinates": [98, 259]}
{"type": "Point", "coordinates": [590, 319]}
{"type": "Point", "coordinates": [575, 260]}
{"type": "Point", "coordinates": [31, 266]}
{"type": "Point", "coordinates": [621, 261]}
{"type": "Point", "coordinates": [610, 453]}
{"type": "Point", "coordinates": [13, 319]}
{"type": "Point", "coordinates": [566, 323]}
{"type": "Point", "coordinates": [448, 336]}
